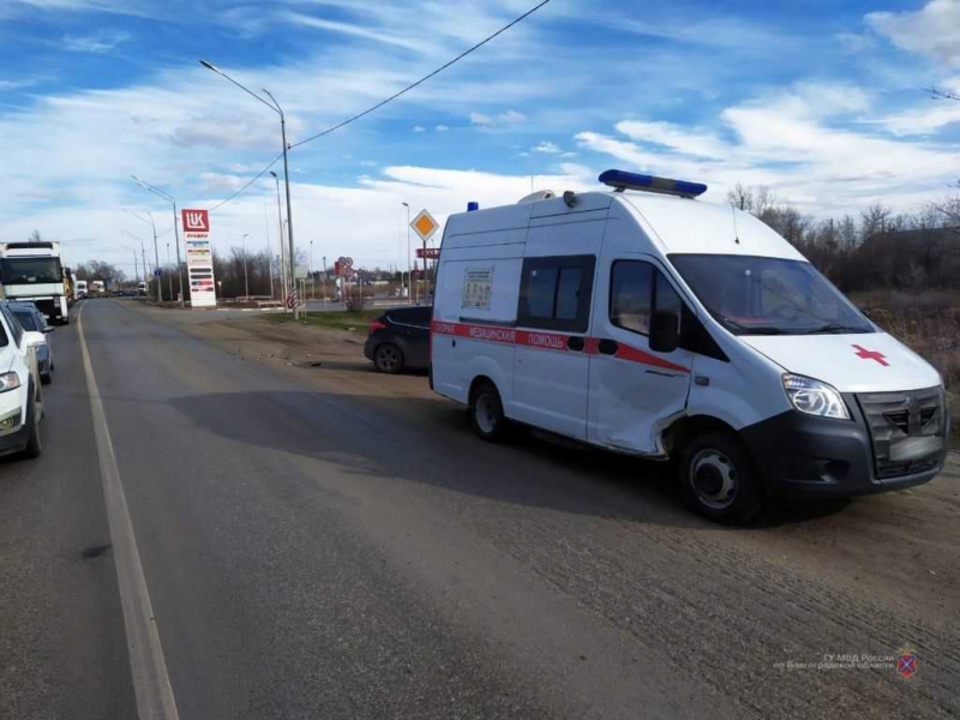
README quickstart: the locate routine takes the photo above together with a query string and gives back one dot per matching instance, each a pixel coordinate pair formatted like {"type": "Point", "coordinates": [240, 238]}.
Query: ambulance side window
{"type": "Point", "coordinates": [555, 293]}
{"type": "Point", "coordinates": [631, 295]}
{"type": "Point", "coordinates": [636, 290]}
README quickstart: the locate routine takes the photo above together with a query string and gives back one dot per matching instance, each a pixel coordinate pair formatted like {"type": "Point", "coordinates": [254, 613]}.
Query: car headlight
{"type": "Point", "coordinates": [814, 397]}
{"type": "Point", "coordinates": [9, 381]}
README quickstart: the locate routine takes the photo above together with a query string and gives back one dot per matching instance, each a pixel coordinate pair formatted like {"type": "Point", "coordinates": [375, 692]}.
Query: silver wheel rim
{"type": "Point", "coordinates": [389, 357]}
{"type": "Point", "coordinates": [486, 413]}
{"type": "Point", "coordinates": [713, 477]}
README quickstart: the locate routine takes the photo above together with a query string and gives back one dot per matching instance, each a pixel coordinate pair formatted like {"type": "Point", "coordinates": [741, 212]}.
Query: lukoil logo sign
{"type": "Point", "coordinates": [196, 221]}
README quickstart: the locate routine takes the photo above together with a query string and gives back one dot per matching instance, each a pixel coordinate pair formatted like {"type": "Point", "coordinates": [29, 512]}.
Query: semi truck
{"type": "Point", "coordinates": [33, 272]}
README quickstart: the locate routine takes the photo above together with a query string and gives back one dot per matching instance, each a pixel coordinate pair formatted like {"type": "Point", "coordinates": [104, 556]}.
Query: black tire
{"type": "Point", "coordinates": [46, 378]}
{"type": "Point", "coordinates": [388, 358]}
{"type": "Point", "coordinates": [34, 446]}
{"type": "Point", "coordinates": [718, 479]}
{"type": "Point", "coordinates": [486, 413]}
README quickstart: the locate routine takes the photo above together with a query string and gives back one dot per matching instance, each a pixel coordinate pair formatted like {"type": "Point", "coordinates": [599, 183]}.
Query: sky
{"type": "Point", "coordinates": [824, 102]}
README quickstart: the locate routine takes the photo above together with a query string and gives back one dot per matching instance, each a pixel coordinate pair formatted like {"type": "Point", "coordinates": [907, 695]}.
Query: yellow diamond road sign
{"type": "Point", "coordinates": [424, 225]}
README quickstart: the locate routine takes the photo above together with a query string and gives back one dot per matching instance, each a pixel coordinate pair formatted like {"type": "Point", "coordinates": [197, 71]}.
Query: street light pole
{"type": "Point", "coordinates": [409, 274]}
{"type": "Point", "coordinates": [176, 228]}
{"type": "Point", "coordinates": [156, 252]}
{"type": "Point", "coordinates": [136, 268]}
{"type": "Point", "coordinates": [143, 252]}
{"type": "Point", "coordinates": [283, 265]}
{"type": "Point", "coordinates": [246, 278]}
{"type": "Point", "coordinates": [275, 106]}
{"type": "Point", "coordinates": [266, 227]}
{"type": "Point", "coordinates": [169, 275]}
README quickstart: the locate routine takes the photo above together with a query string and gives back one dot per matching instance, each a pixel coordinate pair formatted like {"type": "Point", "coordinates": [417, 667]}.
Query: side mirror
{"type": "Point", "coordinates": [665, 332]}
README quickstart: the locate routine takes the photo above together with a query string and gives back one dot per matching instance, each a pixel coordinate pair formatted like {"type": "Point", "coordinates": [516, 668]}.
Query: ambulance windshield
{"type": "Point", "coordinates": [769, 296]}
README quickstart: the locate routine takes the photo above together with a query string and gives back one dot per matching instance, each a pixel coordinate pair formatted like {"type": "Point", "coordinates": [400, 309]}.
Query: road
{"type": "Point", "coordinates": [337, 545]}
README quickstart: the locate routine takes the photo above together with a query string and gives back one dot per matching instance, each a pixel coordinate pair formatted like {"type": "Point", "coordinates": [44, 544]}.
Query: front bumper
{"type": "Point", "coordinates": [799, 454]}
{"type": "Point", "coordinates": [14, 432]}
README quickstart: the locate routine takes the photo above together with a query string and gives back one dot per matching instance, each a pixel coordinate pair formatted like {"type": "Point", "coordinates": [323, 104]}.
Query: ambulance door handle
{"type": "Point", "coordinates": [575, 343]}
{"type": "Point", "coordinates": [607, 347]}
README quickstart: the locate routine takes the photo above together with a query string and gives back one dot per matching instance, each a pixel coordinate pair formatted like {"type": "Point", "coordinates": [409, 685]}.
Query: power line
{"type": "Point", "coordinates": [422, 80]}
{"type": "Point", "coordinates": [390, 99]}
{"type": "Point", "coordinates": [244, 188]}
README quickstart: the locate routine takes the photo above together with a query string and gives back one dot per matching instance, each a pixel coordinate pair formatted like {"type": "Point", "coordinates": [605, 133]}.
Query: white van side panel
{"type": "Point", "coordinates": [460, 352]}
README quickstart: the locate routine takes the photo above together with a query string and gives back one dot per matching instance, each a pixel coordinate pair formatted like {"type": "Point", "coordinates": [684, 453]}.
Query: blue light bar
{"type": "Point", "coordinates": [622, 180]}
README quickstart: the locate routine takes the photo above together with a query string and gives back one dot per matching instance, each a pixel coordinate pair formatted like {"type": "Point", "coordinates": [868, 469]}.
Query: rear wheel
{"type": "Point", "coordinates": [388, 358]}
{"type": "Point", "coordinates": [486, 412]}
{"type": "Point", "coordinates": [718, 479]}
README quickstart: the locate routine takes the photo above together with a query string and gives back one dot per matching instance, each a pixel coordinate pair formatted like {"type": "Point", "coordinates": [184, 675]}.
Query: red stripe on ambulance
{"type": "Point", "coordinates": [548, 341]}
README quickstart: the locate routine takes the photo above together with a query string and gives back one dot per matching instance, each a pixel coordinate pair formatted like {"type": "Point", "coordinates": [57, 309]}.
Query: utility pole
{"type": "Point", "coordinates": [283, 272]}
{"type": "Point", "coordinates": [246, 277]}
{"type": "Point", "coordinates": [169, 275]}
{"type": "Point", "coordinates": [266, 226]}
{"type": "Point", "coordinates": [409, 274]}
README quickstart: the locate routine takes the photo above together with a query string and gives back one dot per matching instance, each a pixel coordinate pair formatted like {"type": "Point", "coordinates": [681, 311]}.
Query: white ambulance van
{"type": "Point", "coordinates": [646, 322]}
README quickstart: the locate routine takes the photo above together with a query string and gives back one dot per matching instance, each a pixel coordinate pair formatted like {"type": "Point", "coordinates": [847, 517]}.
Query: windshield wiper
{"type": "Point", "coordinates": [834, 330]}
{"type": "Point", "coordinates": [754, 329]}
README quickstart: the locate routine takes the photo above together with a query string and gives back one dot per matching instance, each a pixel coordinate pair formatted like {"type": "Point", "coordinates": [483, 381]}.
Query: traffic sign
{"type": "Point", "coordinates": [158, 272]}
{"type": "Point", "coordinates": [424, 225]}
{"type": "Point", "coordinates": [428, 253]}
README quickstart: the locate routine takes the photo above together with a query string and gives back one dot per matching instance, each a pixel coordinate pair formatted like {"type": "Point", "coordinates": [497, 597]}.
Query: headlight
{"type": "Point", "coordinates": [814, 397]}
{"type": "Point", "coordinates": [9, 381]}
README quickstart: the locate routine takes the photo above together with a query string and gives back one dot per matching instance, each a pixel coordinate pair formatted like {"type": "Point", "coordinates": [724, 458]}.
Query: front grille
{"type": "Point", "coordinates": [906, 428]}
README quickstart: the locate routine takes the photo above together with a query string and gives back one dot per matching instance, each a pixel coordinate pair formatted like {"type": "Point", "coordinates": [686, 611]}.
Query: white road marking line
{"type": "Point", "coordinates": [151, 682]}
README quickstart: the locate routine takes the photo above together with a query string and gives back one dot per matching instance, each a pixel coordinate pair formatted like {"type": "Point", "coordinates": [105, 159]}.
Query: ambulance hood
{"type": "Point", "coordinates": [861, 362]}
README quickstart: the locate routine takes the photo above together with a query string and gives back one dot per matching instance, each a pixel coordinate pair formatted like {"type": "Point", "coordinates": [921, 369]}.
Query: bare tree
{"type": "Point", "coordinates": [35, 237]}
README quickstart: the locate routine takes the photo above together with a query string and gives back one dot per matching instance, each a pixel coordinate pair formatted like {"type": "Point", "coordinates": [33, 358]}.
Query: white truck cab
{"type": "Point", "coordinates": [21, 399]}
{"type": "Point", "coordinates": [647, 322]}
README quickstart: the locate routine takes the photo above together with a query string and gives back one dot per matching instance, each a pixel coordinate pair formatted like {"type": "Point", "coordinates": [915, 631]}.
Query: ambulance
{"type": "Point", "coordinates": [644, 321]}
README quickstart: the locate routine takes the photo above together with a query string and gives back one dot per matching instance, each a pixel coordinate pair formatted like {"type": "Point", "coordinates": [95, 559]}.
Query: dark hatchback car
{"type": "Point", "coordinates": [399, 339]}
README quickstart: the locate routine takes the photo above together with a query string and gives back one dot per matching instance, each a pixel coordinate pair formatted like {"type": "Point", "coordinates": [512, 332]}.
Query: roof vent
{"type": "Point", "coordinates": [538, 196]}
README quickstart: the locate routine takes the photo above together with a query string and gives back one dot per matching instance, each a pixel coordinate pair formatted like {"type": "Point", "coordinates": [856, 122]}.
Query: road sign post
{"type": "Point", "coordinates": [425, 226]}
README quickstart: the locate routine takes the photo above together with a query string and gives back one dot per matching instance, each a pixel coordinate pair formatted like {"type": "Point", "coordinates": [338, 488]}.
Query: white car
{"type": "Point", "coordinates": [35, 329]}
{"type": "Point", "coordinates": [21, 399]}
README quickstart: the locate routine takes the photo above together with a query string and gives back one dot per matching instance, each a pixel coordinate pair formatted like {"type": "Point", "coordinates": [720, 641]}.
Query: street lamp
{"type": "Point", "coordinates": [246, 278]}
{"type": "Point", "coordinates": [169, 275]}
{"type": "Point", "coordinates": [176, 230]}
{"type": "Point", "coordinates": [409, 275]}
{"type": "Point", "coordinates": [156, 252]}
{"type": "Point", "coordinates": [283, 267]}
{"type": "Point", "coordinates": [143, 252]}
{"type": "Point", "coordinates": [136, 268]}
{"type": "Point", "coordinates": [275, 106]}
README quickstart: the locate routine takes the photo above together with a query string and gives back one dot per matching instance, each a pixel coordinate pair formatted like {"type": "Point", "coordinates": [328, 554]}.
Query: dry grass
{"type": "Point", "coordinates": [928, 323]}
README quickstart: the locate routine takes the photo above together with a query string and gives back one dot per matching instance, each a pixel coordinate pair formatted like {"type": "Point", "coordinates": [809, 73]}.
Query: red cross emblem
{"type": "Point", "coordinates": [872, 355]}
{"type": "Point", "coordinates": [907, 665]}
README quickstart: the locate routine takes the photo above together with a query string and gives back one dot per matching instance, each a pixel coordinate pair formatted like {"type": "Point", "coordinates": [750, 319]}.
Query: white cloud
{"type": "Point", "coordinates": [547, 147]}
{"type": "Point", "coordinates": [355, 31]}
{"type": "Point", "coordinates": [368, 163]}
{"type": "Point", "coordinates": [442, 128]}
{"type": "Point", "coordinates": [789, 142]}
{"type": "Point", "coordinates": [419, 128]}
{"type": "Point", "coordinates": [933, 31]}
{"type": "Point", "coordinates": [215, 182]}
{"type": "Point", "coordinates": [502, 121]}
{"type": "Point", "coordinates": [99, 43]}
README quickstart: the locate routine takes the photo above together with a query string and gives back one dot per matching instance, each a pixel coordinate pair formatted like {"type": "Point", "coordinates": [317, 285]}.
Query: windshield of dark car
{"type": "Point", "coordinates": [19, 271]}
{"type": "Point", "coordinates": [27, 320]}
{"type": "Point", "coordinates": [769, 296]}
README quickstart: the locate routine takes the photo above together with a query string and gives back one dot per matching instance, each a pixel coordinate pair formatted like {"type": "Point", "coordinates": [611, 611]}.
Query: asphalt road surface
{"type": "Point", "coordinates": [316, 549]}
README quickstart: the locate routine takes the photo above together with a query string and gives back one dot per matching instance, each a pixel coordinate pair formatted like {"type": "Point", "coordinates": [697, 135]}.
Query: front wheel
{"type": "Point", "coordinates": [34, 446]}
{"type": "Point", "coordinates": [718, 479]}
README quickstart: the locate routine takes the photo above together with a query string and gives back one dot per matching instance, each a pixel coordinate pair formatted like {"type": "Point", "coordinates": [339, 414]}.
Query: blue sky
{"type": "Point", "coordinates": [822, 101]}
